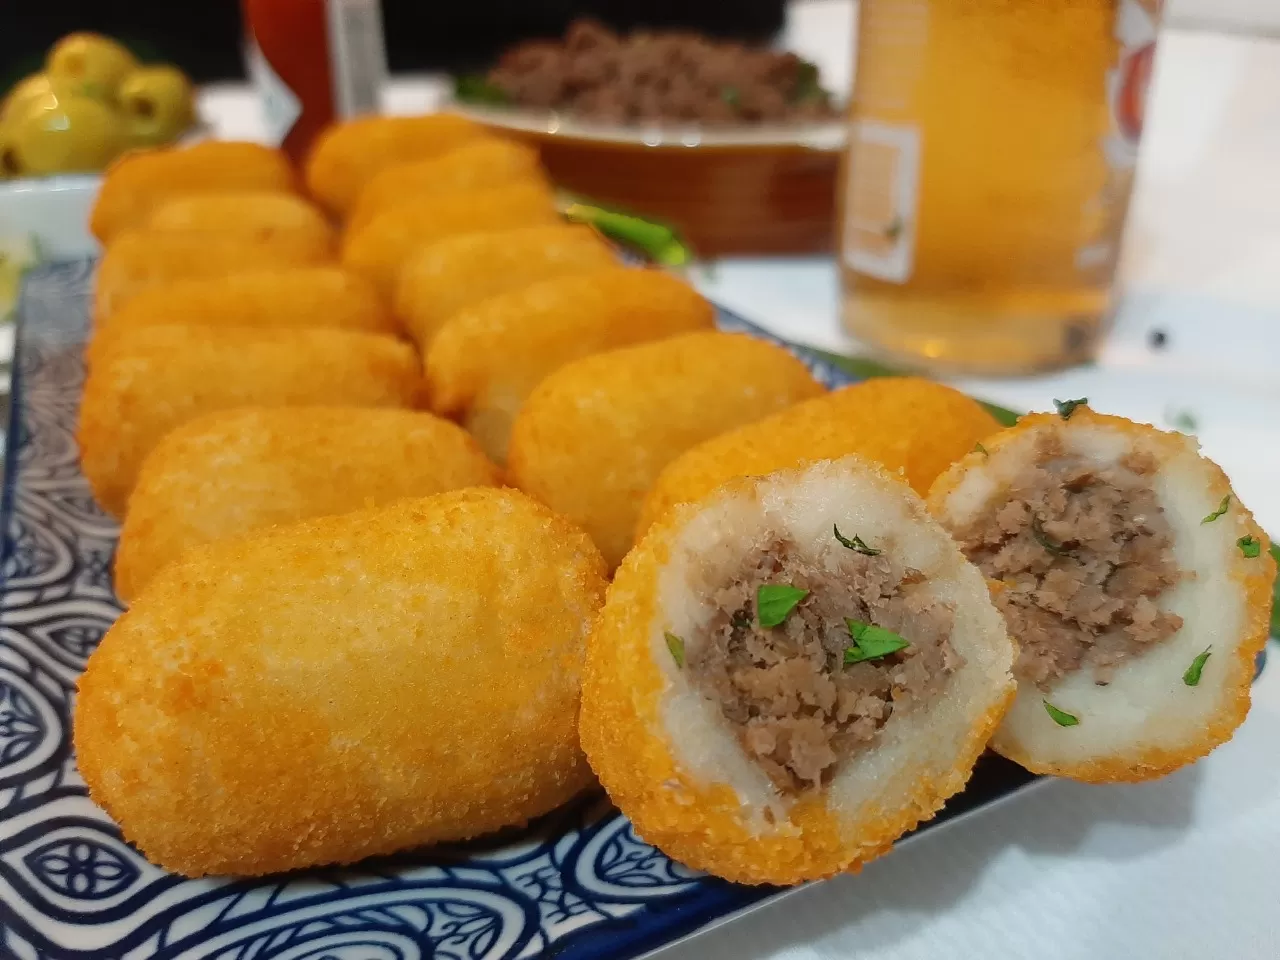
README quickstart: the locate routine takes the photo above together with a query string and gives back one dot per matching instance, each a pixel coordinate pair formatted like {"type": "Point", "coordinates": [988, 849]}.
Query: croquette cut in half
{"type": "Point", "coordinates": [791, 673]}
{"type": "Point", "coordinates": [1135, 583]}
{"type": "Point", "coordinates": [345, 687]}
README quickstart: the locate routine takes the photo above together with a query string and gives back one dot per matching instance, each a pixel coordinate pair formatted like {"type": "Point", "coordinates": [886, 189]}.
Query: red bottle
{"type": "Point", "coordinates": [313, 62]}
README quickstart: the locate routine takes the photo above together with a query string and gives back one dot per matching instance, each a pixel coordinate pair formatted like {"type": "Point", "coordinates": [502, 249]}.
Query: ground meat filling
{"type": "Point", "coordinates": [1082, 554]}
{"type": "Point", "coordinates": [797, 708]}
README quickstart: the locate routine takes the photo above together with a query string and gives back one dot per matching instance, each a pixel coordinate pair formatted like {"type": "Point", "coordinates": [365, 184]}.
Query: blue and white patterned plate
{"type": "Point", "coordinates": [577, 884]}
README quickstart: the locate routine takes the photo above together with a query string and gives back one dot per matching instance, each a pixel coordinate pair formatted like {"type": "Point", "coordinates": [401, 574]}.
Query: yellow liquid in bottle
{"type": "Point", "coordinates": [983, 203]}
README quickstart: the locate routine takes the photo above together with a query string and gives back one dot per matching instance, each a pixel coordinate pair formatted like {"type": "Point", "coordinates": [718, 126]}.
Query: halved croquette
{"type": "Point", "coordinates": [1134, 581]}
{"type": "Point", "coordinates": [792, 672]}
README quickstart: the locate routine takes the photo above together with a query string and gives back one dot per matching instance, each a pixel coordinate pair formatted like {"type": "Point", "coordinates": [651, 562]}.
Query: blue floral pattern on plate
{"type": "Point", "coordinates": [577, 884]}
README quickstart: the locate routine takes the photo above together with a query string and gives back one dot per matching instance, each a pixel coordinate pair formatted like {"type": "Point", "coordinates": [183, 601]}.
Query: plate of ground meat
{"type": "Point", "coordinates": [736, 145]}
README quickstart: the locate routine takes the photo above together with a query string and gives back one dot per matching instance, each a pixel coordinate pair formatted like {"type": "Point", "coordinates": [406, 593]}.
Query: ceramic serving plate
{"type": "Point", "coordinates": [577, 884]}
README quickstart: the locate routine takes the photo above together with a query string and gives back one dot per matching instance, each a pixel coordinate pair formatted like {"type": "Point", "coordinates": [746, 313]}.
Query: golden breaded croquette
{"type": "Point", "coordinates": [142, 179]}
{"type": "Point", "coordinates": [324, 296]}
{"type": "Point", "coordinates": [237, 471]}
{"type": "Point", "coordinates": [261, 213]}
{"type": "Point", "coordinates": [485, 360]}
{"type": "Point", "coordinates": [445, 278]}
{"type": "Point", "coordinates": [379, 248]}
{"type": "Point", "coordinates": [149, 381]}
{"type": "Point", "coordinates": [595, 434]}
{"type": "Point", "coordinates": [347, 155]}
{"type": "Point", "coordinates": [772, 704]}
{"type": "Point", "coordinates": [345, 687]}
{"type": "Point", "coordinates": [1136, 584]}
{"type": "Point", "coordinates": [476, 165]}
{"type": "Point", "coordinates": [912, 426]}
{"type": "Point", "coordinates": [140, 259]}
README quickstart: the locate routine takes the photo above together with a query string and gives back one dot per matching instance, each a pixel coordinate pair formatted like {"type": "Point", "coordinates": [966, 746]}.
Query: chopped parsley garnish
{"type": "Point", "coordinates": [775, 601]}
{"type": "Point", "coordinates": [477, 88]}
{"type": "Point", "coordinates": [979, 448]}
{"type": "Point", "coordinates": [855, 543]}
{"type": "Point", "coordinates": [870, 642]}
{"type": "Point", "coordinates": [1250, 546]}
{"type": "Point", "coordinates": [676, 646]}
{"type": "Point", "coordinates": [1183, 421]}
{"type": "Point", "coordinates": [730, 96]}
{"type": "Point", "coordinates": [894, 229]}
{"type": "Point", "coordinates": [1222, 508]}
{"type": "Point", "coordinates": [1067, 407]}
{"type": "Point", "coordinates": [1042, 538]}
{"type": "Point", "coordinates": [1192, 676]}
{"type": "Point", "coordinates": [807, 85]}
{"type": "Point", "coordinates": [1060, 717]}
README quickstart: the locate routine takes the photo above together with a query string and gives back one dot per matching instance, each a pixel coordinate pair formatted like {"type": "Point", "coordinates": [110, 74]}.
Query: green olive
{"type": "Point", "coordinates": [157, 103]}
{"type": "Point", "coordinates": [97, 62]}
{"type": "Point", "coordinates": [10, 166]}
{"type": "Point", "coordinates": [32, 88]}
{"type": "Point", "coordinates": [64, 135]}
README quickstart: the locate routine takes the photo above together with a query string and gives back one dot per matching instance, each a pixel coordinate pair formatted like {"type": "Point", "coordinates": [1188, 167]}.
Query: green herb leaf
{"type": "Point", "coordinates": [1222, 508]}
{"type": "Point", "coordinates": [979, 448]}
{"type": "Point", "coordinates": [1250, 546]}
{"type": "Point", "coordinates": [1183, 421]}
{"type": "Point", "coordinates": [1192, 677]}
{"type": "Point", "coordinates": [1042, 538]}
{"type": "Point", "coordinates": [477, 88]}
{"type": "Point", "coordinates": [1060, 717]}
{"type": "Point", "coordinates": [1275, 595]}
{"type": "Point", "coordinates": [731, 96]}
{"type": "Point", "coordinates": [807, 85]}
{"type": "Point", "coordinates": [870, 642]}
{"type": "Point", "coordinates": [855, 543]}
{"type": "Point", "coordinates": [893, 230]}
{"type": "Point", "coordinates": [676, 646]}
{"type": "Point", "coordinates": [1067, 407]}
{"type": "Point", "coordinates": [775, 601]}
{"type": "Point", "coordinates": [657, 241]}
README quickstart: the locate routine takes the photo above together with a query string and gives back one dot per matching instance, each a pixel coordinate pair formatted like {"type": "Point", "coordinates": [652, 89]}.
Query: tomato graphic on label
{"type": "Point", "coordinates": [1131, 103]}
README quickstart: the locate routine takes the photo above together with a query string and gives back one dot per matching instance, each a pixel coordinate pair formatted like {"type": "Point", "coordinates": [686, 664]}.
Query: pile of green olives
{"type": "Point", "coordinates": [92, 102]}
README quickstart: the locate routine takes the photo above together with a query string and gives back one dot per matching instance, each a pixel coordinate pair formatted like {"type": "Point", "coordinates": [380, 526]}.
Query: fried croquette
{"type": "Point", "coordinates": [134, 185]}
{"type": "Point", "coordinates": [912, 426]}
{"type": "Point", "coordinates": [237, 471]}
{"type": "Point", "coordinates": [148, 381]}
{"type": "Point", "coordinates": [324, 296]}
{"type": "Point", "coordinates": [262, 214]}
{"type": "Point", "coordinates": [486, 359]}
{"type": "Point", "coordinates": [476, 165]}
{"type": "Point", "coordinates": [345, 687]}
{"type": "Point", "coordinates": [442, 279]}
{"type": "Point", "coordinates": [791, 673]}
{"type": "Point", "coordinates": [348, 155]}
{"type": "Point", "coordinates": [594, 435]}
{"type": "Point", "coordinates": [379, 248]}
{"type": "Point", "coordinates": [140, 259]}
{"type": "Point", "coordinates": [1135, 583]}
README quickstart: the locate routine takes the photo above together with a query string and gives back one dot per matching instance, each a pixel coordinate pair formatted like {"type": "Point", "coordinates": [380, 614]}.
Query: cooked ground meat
{"type": "Point", "coordinates": [798, 710]}
{"type": "Point", "coordinates": [1082, 555]}
{"type": "Point", "coordinates": [597, 75]}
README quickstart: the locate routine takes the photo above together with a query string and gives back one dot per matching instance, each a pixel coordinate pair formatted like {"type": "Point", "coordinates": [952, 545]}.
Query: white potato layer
{"type": "Point", "coordinates": [734, 526]}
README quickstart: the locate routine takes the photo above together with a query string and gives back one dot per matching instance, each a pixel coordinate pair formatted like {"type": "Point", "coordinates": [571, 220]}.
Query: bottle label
{"type": "Point", "coordinates": [880, 203]}
{"type": "Point", "coordinates": [357, 55]}
{"type": "Point", "coordinates": [280, 106]}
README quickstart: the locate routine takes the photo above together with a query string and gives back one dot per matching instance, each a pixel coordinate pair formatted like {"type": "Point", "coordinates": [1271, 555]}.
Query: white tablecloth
{"type": "Point", "coordinates": [1180, 868]}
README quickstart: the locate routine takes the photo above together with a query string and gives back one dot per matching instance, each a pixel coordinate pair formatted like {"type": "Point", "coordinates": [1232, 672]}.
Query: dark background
{"type": "Point", "coordinates": [203, 36]}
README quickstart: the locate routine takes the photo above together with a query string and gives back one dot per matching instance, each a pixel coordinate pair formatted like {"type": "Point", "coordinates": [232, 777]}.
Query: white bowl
{"type": "Point", "coordinates": [53, 211]}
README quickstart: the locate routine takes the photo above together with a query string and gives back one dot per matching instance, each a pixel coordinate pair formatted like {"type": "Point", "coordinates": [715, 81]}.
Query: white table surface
{"type": "Point", "coordinates": [1184, 867]}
